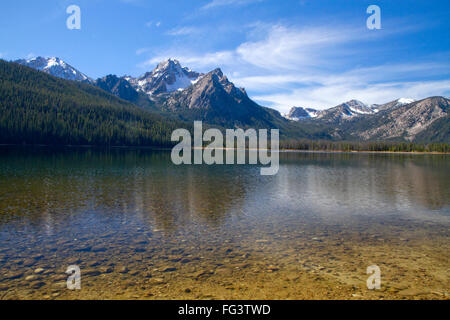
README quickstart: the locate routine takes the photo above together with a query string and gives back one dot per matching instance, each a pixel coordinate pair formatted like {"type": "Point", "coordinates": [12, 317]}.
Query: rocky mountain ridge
{"type": "Point", "coordinates": [178, 92]}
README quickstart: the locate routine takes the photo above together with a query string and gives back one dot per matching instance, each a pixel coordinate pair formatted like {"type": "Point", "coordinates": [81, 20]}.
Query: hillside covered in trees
{"type": "Point", "coordinates": [36, 108]}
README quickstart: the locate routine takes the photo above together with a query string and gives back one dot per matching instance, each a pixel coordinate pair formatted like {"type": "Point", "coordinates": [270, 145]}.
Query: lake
{"type": "Point", "coordinates": [140, 227]}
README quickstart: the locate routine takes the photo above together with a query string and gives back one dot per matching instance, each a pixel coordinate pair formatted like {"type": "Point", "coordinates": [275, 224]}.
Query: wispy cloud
{"type": "Point", "coordinates": [183, 31]}
{"type": "Point", "coordinates": [150, 24]}
{"type": "Point", "coordinates": [326, 96]}
{"type": "Point", "coordinates": [288, 48]}
{"type": "Point", "coordinates": [283, 66]}
{"type": "Point", "coordinates": [142, 51]}
{"type": "Point", "coordinates": [281, 49]}
{"type": "Point", "coordinates": [323, 89]}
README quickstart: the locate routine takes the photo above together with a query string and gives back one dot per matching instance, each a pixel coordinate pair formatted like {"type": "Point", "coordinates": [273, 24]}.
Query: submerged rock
{"type": "Point", "coordinates": [272, 268]}
{"type": "Point", "coordinates": [123, 269]}
{"type": "Point", "coordinates": [31, 278]}
{"type": "Point", "coordinates": [37, 284]}
{"type": "Point", "coordinates": [14, 275]}
{"type": "Point", "coordinates": [39, 270]}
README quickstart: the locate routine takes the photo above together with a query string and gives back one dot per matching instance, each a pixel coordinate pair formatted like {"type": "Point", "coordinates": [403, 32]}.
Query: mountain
{"type": "Point", "coordinates": [169, 76]}
{"type": "Point", "coordinates": [298, 113]}
{"type": "Point", "coordinates": [345, 111]}
{"type": "Point", "coordinates": [412, 121]}
{"type": "Point", "coordinates": [117, 86]}
{"type": "Point", "coordinates": [211, 98]}
{"type": "Point", "coordinates": [214, 99]}
{"type": "Point", "coordinates": [438, 131]}
{"type": "Point", "coordinates": [55, 67]}
{"type": "Point", "coordinates": [403, 119]}
{"type": "Point", "coordinates": [123, 89]}
{"type": "Point", "coordinates": [208, 97]}
{"type": "Point", "coordinates": [392, 104]}
{"type": "Point", "coordinates": [37, 108]}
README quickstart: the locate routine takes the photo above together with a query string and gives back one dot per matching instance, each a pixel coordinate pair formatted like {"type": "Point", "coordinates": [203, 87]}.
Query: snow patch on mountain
{"type": "Point", "coordinates": [405, 101]}
{"type": "Point", "coordinates": [357, 107]}
{"type": "Point", "coordinates": [181, 83]}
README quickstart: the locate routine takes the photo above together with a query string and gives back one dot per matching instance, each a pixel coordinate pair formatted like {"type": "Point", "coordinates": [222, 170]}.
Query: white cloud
{"type": "Point", "coordinates": [283, 66]}
{"type": "Point", "coordinates": [282, 48]}
{"type": "Point", "coordinates": [323, 97]}
{"type": "Point", "coordinates": [359, 76]}
{"type": "Point", "coordinates": [321, 90]}
{"type": "Point", "coordinates": [183, 31]}
{"type": "Point", "coordinates": [291, 48]}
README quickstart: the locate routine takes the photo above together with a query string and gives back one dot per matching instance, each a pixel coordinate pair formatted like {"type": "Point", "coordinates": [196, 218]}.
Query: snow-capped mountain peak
{"type": "Point", "coordinates": [358, 107]}
{"type": "Point", "coordinates": [405, 101]}
{"type": "Point", "coordinates": [168, 76]}
{"type": "Point", "coordinates": [299, 113]}
{"type": "Point", "coordinates": [55, 67]}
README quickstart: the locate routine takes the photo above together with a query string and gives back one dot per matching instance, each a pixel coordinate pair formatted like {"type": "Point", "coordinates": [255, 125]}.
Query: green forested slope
{"type": "Point", "coordinates": [36, 108]}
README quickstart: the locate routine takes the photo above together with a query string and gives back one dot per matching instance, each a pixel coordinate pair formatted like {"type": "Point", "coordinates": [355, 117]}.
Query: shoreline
{"type": "Point", "coordinates": [207, 148]}
{"type": "Point", "coordinates": [363, 151]}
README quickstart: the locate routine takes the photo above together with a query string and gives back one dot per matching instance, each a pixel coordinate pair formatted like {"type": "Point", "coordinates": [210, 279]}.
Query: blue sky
{"type": "Point", "coordinates": [310, 53]}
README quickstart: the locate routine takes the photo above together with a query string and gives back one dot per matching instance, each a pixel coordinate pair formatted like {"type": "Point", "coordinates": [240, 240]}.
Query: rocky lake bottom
{"type": "Point", "coordinates": [139, 228]}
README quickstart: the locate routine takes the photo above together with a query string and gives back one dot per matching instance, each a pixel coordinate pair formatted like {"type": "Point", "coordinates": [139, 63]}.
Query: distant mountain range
{"type": "Point", "coordinates": [399, 119]}
{"type": "Point", "coordinates": [179, 93]}
{"type": "Point", "coordinates": [345, 111]}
